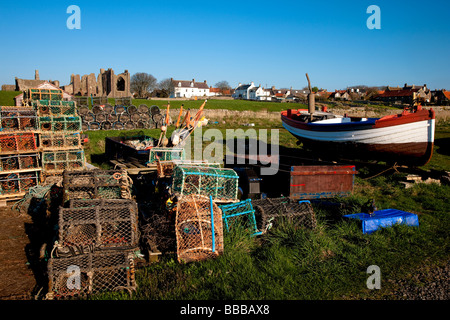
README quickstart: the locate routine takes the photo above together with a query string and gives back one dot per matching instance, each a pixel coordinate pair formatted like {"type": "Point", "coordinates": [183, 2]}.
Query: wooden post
{"type": "Point", "coordinates": [311, 98]}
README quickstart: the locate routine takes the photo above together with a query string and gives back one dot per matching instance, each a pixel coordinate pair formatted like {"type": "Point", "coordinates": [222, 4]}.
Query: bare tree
{"type": "Point", "coordinates": [223, 85]}
{"type": "Point", "coordinates": [142, 83]}
{"type": "Point", "coordinates": [166, 87]}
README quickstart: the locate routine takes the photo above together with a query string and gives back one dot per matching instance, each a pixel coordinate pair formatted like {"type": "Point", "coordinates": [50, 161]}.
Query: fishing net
{"type": "Point", "coordinates": [105, 225]}
{"type": "Point", "coordinates": [220, 183]}
{"type": "Point", "coordinates": [240, 215]}
{"type": "Point", "coordinates": [18, 182]}
{"type": "Point", "coordinates": [270, 212]}
{"type": "Point", "coordinates": [198, 228]}
{"type": "Point", "coordinates": [96, 184]}
{"type": "Point", "coordinates": [91, 272]}
{"type": "Point", "coordinates": [165, 154]}
{"type": "Point", "coordinates": [19, 162]}
{"type": "Point", "coordinates": [17, 142]}
{"type": "Point", "coordinates": [60, 141]}
{"type": "Point", "coordinates": [58, 161]}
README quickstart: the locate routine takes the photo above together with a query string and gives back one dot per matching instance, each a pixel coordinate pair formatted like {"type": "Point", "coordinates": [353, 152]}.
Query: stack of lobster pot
{"type": "Point", "coordinates": [19, 155]}
{"type": "Point", "coordinates": [97, 235]}
{"type": "Point", "coordinates": [59, 127]}
{"type": "Point", "coordinates": [120, 117]}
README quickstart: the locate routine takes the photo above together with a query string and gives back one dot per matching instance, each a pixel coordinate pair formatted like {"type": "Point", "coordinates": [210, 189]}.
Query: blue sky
{"type": "Point", "coordinates": [268, 42]}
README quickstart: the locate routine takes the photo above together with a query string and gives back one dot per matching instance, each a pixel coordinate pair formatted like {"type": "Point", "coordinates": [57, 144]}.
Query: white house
{"type": "Point", "coordinates": [251, 92]}
{"type": "Point", "coordinates": [189, 89]}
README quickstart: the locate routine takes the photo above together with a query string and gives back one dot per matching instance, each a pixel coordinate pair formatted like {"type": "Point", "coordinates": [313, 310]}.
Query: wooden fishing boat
{"type": "Point", "coordinates": [406, 138]}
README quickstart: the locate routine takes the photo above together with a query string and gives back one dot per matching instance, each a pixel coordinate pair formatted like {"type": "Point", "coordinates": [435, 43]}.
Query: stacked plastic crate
{"type": "Point", "coordinates": [59, 136]}
{"type": "Point", "coordinates": [19, 154]}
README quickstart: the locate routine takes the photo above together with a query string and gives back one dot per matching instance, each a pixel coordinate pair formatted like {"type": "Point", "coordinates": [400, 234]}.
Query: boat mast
{"type": "Point", "coordinates": [311, 100]}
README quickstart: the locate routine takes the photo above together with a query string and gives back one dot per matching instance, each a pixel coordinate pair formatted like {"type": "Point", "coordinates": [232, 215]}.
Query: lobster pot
{"type": "Point", "coordinates": [59, 123]}
{"type": "Point", "coordinates": [43, 94]}
{"type": "Point", "coordinates": [19, 162]}
{"type": "Point", "coordinates": [165, 168]}
{"type": "Point", "coordinates": [83, 110]}
{"type": "Point", "coordinates": [84, 126]}
{"type": "Point", "coordinates": [19, 182]}
{"type": "Point", "coordinates": [220, 183]}
{"type": "Point", "coordinates": [100, 117]}
{"type": "Point", "coordinates": [106, 125]}
{"type": "Point", "coordinates": [55, 108]}
{"type": "Point", "coordinates": [117, 125]}
{"type": "Point", "coordinates": [165, 154]}
{"type": "Point", "coordinates": [111, 225]}
{"type": "Point", "coordinates": [198, 229]}
{"type": "Point", "coordinates": [94, 125]}
{"type": "Point", "coordinates": [239, 215]}
{"type": "Point", "coordinates": [96, 271]}
{"type": "Point", "coordinates": [119, 109]}
{"type": "Point", "coordinates": [18, 118]}
{"type": "Point", "coordinates": [58, 161]}
{"type": "Point", "coordinates": [96, 184]}
{"type": "Point", "coordinates": [88, 117]}
{"type": "Point", "coordinates": [270, 212]}
{"type": "Point", "coordinates": [60, 141]}
{"type": "Point", "coordinates": [107, 108]}
{"type": "Point", "coordinates": [18, 142]}
{"type": "Point", "coordinates": [143, 108]}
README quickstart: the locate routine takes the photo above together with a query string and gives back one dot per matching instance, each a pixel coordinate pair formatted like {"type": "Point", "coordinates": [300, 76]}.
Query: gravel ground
{"type": "Point", "coordinates": [428, 283]}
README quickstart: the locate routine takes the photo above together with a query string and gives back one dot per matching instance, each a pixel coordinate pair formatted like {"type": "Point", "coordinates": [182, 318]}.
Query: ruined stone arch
{"type": "Point", "coordinates": [120, 85]}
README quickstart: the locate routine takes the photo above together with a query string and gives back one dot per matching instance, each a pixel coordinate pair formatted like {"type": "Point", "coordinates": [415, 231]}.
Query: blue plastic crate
{"type": "Point", "coordinates": [384, 218]}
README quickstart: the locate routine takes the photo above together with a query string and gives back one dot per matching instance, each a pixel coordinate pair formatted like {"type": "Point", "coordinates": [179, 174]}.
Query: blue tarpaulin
{"type": "Point", "coordinates": [384, 218]}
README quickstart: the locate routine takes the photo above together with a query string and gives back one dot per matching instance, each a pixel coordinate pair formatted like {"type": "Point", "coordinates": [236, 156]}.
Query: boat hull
{"type": "Point", "coordinates": [405, 139]}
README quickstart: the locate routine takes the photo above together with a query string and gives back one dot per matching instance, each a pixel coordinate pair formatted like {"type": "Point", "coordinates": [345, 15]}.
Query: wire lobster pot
{"type": "Point", "coordinates": [55, 108]}
{"type": "Point", "coordinates": [93, 272]}
{"type": "Point", "coordinates": [60, 141]}
{"type": "Point", "coordinates": [164, 169]}
{"type": "Point", "coordinates": [220, 183]}
{"type": "Point", "coordinates": [19, 162]}
{"type": "Point", "coordinates": [165, 154]}
{"type": "Point", "coordinates": [18, 142]}
{"type": "Point", "coordinates": [55, 162]}
{"type": "Point", "coordinates": [240, 215]}
{"type": "Point", "coordinates": [270, 212]}
{"type": "Point", "coordinates": [96, 184]}
{"type": "Point", "coordinates": [104, 225]}
{"type": "Point", "coordinates": [18, 119]}
{"type": "Point", "coordinates": [17, 183]}
{"type": "Point", "coordinates": [198, 229]}
{"type": "Point", "coordinates": [50, 123]}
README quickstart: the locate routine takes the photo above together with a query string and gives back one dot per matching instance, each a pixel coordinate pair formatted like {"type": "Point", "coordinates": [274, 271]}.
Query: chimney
{"type": "Point", "coordinates": [36, 74]}
{"type": "Point", "coordinates": [204, 81]}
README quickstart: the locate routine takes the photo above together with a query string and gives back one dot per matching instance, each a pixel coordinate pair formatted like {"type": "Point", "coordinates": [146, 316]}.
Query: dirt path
{"type": "Point", "coordinates": [17, 279]}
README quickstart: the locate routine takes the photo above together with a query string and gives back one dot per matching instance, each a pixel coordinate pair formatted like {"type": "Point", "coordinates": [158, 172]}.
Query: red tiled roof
{"type": "Point", "coordinates": [446, 94]}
